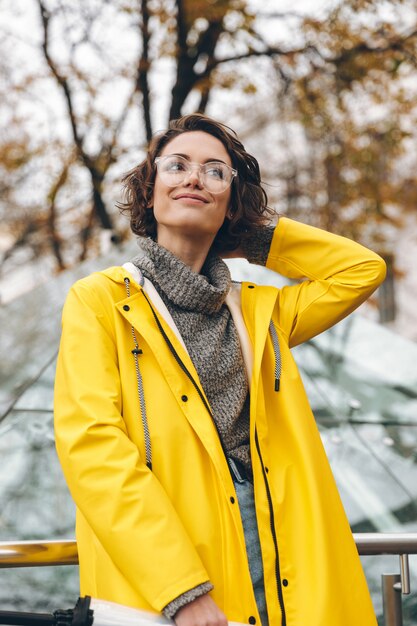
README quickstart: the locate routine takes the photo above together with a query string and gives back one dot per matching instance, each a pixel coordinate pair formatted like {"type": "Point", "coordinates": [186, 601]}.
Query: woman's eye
{"type": "Point", "coordinates": [215, 171]}
{"type": "Point", "coordinates": [175, 166]}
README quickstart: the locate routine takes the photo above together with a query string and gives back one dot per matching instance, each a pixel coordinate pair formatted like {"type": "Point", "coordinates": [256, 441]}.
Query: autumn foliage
{"type": "Point", "coordinates": [327, 103]}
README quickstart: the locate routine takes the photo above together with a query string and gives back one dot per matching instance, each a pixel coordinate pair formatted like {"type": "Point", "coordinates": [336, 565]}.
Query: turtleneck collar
{"type": "Point", "coordinates": [204, 292]}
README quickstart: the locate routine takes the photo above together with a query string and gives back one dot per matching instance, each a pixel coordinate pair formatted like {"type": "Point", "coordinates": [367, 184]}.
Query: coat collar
{"type": "Point", "coordinates": [137, 310]}
{"type": "Point", "coordinates": [248, 301]}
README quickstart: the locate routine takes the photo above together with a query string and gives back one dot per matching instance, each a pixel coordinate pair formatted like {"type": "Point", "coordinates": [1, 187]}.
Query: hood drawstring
{"type": "Point", "coordinates": [277, 353]}
{"type": "Point", "coordinates": [136, 351]}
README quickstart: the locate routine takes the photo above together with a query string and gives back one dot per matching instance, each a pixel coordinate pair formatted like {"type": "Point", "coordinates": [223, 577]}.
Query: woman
{"type": "Point", "coordinates": [185, 435]}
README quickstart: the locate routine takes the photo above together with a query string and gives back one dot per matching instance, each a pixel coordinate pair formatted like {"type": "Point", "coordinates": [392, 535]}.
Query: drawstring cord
{"type": "Point", "coordinates": [136, 351]}
{"type": "Point", "coordinates": [277, 353]}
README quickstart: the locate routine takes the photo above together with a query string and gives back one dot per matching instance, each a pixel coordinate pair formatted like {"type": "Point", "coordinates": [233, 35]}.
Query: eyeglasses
{"type": "Point", "coordinates": [214, 176]}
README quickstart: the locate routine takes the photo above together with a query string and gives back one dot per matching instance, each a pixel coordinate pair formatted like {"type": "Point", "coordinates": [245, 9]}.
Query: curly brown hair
{"type": "Point", "coordinates": [249, 202]}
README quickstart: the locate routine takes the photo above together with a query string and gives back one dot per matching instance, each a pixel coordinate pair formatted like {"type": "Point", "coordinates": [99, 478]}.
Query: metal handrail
{"type": "Point", "coordinates": [64, 552]}
{"type": "Point", "coordinates": [385, 543]}
{"type": "Point", "coordinates": [38, 553]}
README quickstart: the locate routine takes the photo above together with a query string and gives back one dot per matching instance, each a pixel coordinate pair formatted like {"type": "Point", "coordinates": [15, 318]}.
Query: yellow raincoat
{"type": "Point", "coordinates": [146, 536]}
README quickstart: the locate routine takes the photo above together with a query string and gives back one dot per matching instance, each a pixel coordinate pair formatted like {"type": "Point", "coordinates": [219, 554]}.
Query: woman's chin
{"type": "Point", "coordinates": [190, 228]}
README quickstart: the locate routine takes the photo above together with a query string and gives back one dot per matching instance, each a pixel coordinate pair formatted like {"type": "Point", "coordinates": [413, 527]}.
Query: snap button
{"type": "Point", "coordinates": [184, 398]}
{"type": "Point", "coordinates": [285, 582]}
{"type": "Point", "coordinates": [126, 307]}
{"type": "Point", "coordinates": [252, 620]}
{"type": "Point", "coordinates": [232, 500]}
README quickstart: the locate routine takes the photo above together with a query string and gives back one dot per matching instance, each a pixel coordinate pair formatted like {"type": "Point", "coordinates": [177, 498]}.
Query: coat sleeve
{"type": "Point", "coordinates": [336, 276]}
{"type": "Point", "coordinates": [120, 498]}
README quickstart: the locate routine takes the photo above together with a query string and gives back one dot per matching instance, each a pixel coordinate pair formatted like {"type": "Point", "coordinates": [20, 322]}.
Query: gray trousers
{"type": "Point", "coordinates": [244, 491]}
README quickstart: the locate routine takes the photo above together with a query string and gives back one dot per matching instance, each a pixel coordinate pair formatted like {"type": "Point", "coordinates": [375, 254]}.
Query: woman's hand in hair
{"type": "Point", "coordinates": [201, 612]}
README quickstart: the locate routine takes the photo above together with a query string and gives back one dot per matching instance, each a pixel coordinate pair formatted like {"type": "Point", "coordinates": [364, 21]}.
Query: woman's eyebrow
{"type": "Point", "coordinates": [188, 158]}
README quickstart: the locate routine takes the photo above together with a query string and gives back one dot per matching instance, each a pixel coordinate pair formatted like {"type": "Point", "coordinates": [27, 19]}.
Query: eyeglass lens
{"type": "Point", "coordinates": [214, 176]}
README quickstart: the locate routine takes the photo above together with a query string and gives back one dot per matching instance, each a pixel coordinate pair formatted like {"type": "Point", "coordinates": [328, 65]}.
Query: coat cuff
{"type": "Point", "coordinates": [256, 247]}
{"type": "Point", "coordinates": [185, 598]}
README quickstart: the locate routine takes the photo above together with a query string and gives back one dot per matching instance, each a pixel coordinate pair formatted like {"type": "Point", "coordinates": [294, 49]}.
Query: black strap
{"type": "Point", "coordinates": [83, 616]}
{"type": "Point", "coordinates": [19, 618]}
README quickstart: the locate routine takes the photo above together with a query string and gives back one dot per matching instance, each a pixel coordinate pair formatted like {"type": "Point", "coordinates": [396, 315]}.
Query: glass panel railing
{"type": "Point", "coordinates": [367, 416]}
{"type": "Point", "coordinates": [31, 326]}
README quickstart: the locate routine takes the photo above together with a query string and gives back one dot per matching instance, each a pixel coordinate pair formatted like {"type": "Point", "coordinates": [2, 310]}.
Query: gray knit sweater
{"type": "Point", "coordinates": [197, 305]}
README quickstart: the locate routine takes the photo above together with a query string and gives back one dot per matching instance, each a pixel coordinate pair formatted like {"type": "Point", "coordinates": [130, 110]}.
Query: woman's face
{"type": "Point", "coordinates": [188, 208]}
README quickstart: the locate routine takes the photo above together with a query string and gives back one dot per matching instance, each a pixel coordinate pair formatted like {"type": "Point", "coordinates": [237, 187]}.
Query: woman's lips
{"type": "Point", "coordinates": [190, 196]}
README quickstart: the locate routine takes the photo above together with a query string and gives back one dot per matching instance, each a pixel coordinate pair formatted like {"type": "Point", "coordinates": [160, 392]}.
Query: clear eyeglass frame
{"type": "Point", "coordinates": [177, 177]}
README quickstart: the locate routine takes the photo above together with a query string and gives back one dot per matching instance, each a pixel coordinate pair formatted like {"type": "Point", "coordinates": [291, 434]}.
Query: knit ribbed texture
{"type": "Point", "coordinates": [173, 607]}
{"type": "Point", "coordinates": [256, 248]}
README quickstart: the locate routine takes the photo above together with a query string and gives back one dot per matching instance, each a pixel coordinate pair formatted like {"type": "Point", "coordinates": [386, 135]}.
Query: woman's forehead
{"type": "Point", "coordinates": [198, 146]}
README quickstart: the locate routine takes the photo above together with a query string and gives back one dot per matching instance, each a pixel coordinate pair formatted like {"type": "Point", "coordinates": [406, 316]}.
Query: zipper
{"type": "Point", "coordinates": [141, 394]}
{"type": "Point", "coordinates": [274, 536]}
{"type": "Point", "coordinates": [190, 377]}
{"type": "Point", "coordinates": [277, 354]}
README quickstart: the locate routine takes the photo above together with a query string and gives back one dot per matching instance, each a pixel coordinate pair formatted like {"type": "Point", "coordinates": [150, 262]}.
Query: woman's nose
{"type": "Point", "coordinates": [193, 176]}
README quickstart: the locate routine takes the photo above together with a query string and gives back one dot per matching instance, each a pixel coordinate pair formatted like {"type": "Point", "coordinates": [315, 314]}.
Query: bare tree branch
{"type": "Point", "coordinates": [270, 51]}
{"type": "Point", "coordinates": [54, 238]}
{"type": "Point", "coordinates": [86, 233]}
{"type": "Point", "coordinates": [97, 173]}
{"type": "Point", "coordinates": [187, 77]}
{"type": "Point", "coordinates": [392, 44]}
{"type": "Point", "coordinates": [143, 69]}
{"type": "Point", "coordinates": [61, 80]}
{"type": "Point", "coordinates": [31, 226]}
